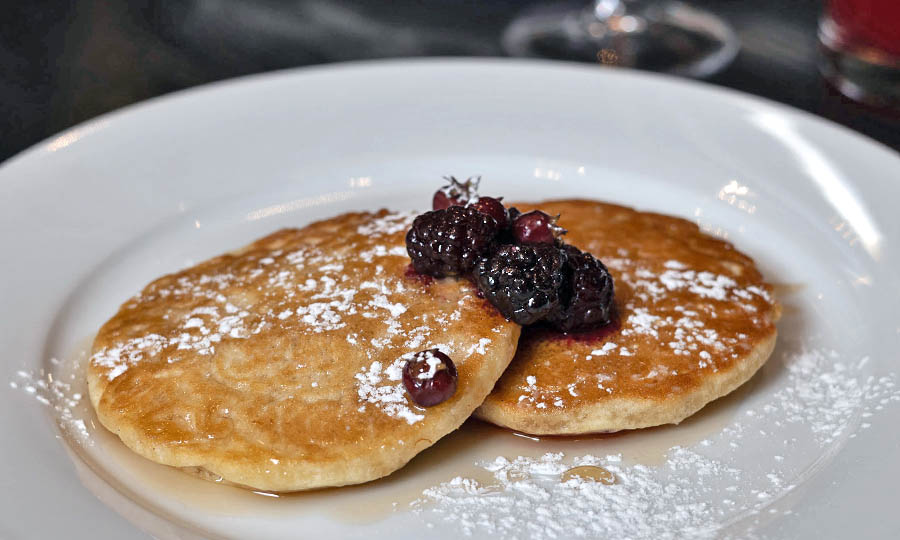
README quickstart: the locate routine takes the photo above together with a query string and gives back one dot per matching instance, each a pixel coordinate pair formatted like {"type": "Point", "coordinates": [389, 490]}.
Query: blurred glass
{"type": "Point", "coordinates": [861, 49]}
{"type": "Point", "coordinates": [658, 35]}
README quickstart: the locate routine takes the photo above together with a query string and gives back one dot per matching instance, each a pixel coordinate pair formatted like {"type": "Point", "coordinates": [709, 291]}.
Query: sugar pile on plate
{"type": "Point", "coordinates": [697, 490]}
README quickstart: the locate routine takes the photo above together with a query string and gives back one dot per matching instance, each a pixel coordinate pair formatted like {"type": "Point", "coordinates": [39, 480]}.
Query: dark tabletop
{"type": "Point", "coordinates": [62, 62]}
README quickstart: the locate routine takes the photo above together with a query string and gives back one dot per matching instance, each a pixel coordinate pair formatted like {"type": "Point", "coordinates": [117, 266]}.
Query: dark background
{"type": "Point", "coordinates": [62, 62]}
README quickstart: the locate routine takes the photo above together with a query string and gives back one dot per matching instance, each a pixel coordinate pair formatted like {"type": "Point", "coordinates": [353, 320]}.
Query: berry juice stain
{"type": "Point", "coordinates": [595, 336]}
{"type": "Point", "coordinates": [412, 275]}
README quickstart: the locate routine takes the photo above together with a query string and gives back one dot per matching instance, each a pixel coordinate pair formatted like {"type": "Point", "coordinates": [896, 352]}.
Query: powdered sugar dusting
{"type": "Point", "coordinates": [704, 284]}
{"type": "Point", "coordinates": [738, 471]}
{"type": "Point", "coordinates": [529, 500]}
{"type": "Point", "coordinates": [686, 332]}
{"type": "Point", "coordinates": [687, 337]}
{"type": "Point", "coordinates": [479, 347]}
{"type": "Point", "coordinates": [650, 285]}
{"type": "Point", "coordinates": [826, 393]}
{"type": "Point", "coordinates": [311, 295]}
{"type": "Point", "coordinates": [387, 225]}
{"type": "Point", "coordinates": [382, 387]}
{"type": "Point", "coordinates": [61, 390]}
{"type": "Point", "coordinates": [118, 358]}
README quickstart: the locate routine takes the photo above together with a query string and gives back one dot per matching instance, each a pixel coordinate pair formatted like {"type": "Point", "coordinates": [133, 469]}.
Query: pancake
{"type": "Point", "coordinates": [278, 367]}
{"type": "Point", "coordinates": [695, 321]}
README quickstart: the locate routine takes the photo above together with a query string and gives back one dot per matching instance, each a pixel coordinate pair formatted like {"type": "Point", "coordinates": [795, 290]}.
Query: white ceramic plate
{"type": "Point", "coordinates": [807, 448]}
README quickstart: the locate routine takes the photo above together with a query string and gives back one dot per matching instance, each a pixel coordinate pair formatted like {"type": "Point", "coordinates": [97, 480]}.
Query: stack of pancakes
{"type": "Point", "coordinates": [278, 367]}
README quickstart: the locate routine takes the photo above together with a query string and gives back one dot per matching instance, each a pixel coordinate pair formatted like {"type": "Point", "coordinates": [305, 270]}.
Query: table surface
{"type": "Point", "coordinates": [64, 62]}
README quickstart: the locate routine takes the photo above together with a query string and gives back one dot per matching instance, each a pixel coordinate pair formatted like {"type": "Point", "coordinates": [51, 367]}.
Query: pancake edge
{"type": "Point", "coordinates": [617, 414]}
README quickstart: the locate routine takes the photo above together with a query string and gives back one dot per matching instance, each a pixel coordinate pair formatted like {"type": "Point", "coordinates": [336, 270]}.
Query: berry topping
{"type": "Point", "coordinates": [518, 261]}
{"type": "Point", "coordinates": [523, 282]}
{"type": "Point", "coordinates": [442, 201]}
{"type": "Point", "coordinates": [536, 227]}
{"type": "Point", "coordinates": [455, 193]}
{"type": "Point", "coordinates": [430, 377]}
{"type": "Point", "coordinates": [494, 208]}
{"type": "Point", "coordinates": [449, 242]}
{"type": "Point", "coordinates": [586, 296]}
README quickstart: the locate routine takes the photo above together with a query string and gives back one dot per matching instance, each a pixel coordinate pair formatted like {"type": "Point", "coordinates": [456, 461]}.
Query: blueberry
{"type": "Point", "coordinates": [536, 227]}
{"type": "Point", "coordinates": [494, 208]}
{"type": "Point", "coordinates": [430, 377]}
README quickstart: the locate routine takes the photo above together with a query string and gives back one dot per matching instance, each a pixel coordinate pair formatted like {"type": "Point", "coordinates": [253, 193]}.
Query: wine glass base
{"type": "Point", "coordinates": [666, 36]}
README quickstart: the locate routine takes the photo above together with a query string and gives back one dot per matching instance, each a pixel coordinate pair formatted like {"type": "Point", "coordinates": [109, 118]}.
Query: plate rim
{"type": "Point", "coordinates": [271, 77]}
{"type": "Point", "coordinates": [734, 96]}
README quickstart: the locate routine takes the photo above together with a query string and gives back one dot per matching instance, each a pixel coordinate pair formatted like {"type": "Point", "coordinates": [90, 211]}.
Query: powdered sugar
{"type": "Point", "coordinates": [826, 393]}
{"type": "Point", "coordinates": [678, 277]}
{"type": "Point", "coordinates": [60, 389]}
{"type": "Point", "coordinates": [382, 387]}
{"type": "Point", "coordinates": [681, 328]}
{"type": "Point", "coordinates": [739, 470]}
{"type": "Point", "coordinates": [433, 363]}
{"type": "Point", "coordinates": [369, 255]}
{"type": "Point", "coordinates": [529, 500]}
{"type": "Point", "coordinates": [381, 301]}
{"type": "Point", "coordinates": [693, 328]}
{"type": "Point", "coordinates": [531, 393]}
{"type": "Point", "coordinates": [387, 225]}
{"type": "Point", "coordinates": [705, 284]}
{"type": "Point", "coordinates": [602, 351]}
{"type": "Point", "coordinates": [642, 322]}
{"type": "Point", "coordinates": [479, 347]}
{"type": "Point", "coordinates": [353, 290]}
{"type": "Point", "coordinates": [311, 293]}
{"type": "Point", "coordinates": [323, 317]}
{"type": "Point", "coordinates": [130, 352]}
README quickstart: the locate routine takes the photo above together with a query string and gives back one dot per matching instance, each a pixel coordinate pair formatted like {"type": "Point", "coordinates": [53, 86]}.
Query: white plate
{"type": "Point", "coordinates": [90, 216]}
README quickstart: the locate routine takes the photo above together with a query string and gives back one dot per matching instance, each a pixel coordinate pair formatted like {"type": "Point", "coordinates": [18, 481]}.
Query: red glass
{"type": "Point", "coordinates": [861, 24]}
{"type": "Point", "coordinates": [861, 50]}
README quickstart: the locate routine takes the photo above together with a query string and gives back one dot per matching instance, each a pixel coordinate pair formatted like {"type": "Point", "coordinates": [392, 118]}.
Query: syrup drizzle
{"type": "Point", "coordinates": [185, 492]}
{"type": "Point", "coordinates": [589, 472]}
{"type": "Point", "coordinates": [103, 460]}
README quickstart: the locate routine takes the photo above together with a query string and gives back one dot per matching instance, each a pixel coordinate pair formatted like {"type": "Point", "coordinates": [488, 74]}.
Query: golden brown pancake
{"type": "Point", "coordinates": [695, 321]}
{"type": "Point", "coordinates": [278, 367]}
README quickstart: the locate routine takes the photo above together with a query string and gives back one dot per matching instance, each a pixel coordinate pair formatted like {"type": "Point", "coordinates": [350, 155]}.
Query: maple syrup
{"type": "Point", "coordinates": [589, 472]}
{"type": "Point", "coordinates": [178, 495]}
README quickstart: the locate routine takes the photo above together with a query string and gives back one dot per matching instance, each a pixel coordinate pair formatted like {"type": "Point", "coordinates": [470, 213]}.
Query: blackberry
{"type": "Point", "coordinates": [523, 282]}
{"type": "Point", "coordinates": [506, 235]}
{"type": "Point", "coordinates": [449, 242]}
{"type": "Point", "coordinates": [586, 296]}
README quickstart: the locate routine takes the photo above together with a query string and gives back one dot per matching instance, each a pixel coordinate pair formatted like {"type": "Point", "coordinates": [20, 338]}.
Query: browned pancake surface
{"type": "Point", "coordinates": [278, 366]}
{"type": "Point", "coordinates": [696, 320]}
